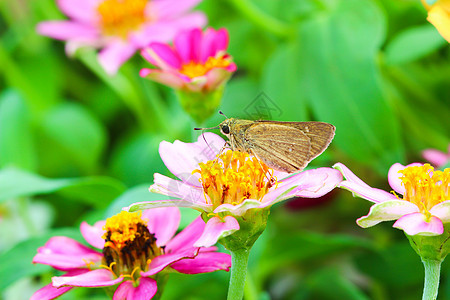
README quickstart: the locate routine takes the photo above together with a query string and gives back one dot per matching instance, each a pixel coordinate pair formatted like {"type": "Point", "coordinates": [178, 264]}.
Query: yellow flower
{"type": "Point", "coordinates": [439, 16]}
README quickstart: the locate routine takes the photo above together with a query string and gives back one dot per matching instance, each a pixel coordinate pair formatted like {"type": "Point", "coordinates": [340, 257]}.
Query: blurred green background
{"type": "Point", "coordinates": [78, 145]}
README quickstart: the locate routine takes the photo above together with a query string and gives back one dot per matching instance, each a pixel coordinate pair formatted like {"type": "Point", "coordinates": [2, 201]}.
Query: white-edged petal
{"type": "Point", "coordinates": [166, 203]}
{"type": "Point", "coordinates": [442, 211]}
{"type": "Point", "coordinates": [240, 209]}
{"type": "Point", "coordinates": [387, 211]}
{"type": "Point", "coordinates": [177, 189]}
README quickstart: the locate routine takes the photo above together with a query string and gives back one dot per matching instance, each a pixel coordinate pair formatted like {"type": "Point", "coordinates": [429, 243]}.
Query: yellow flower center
{"type": "Point", "coordinates": [119, 17]}
{"type": "Point", "coordinates": [233, 177]}
{"type": "Point", "coordinates": [194, 69]}
{"type": "Point", "coordinates": [129, 246]}
{"type": "Point", "coordinates": [425, 187]}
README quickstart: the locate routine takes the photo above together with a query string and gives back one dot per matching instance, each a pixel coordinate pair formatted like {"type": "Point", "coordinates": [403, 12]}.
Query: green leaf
{"type": "Point", "coordinates": [137, 158]}
{"type": "Point", "coordinates": [77, 133]}
{"type": "Point", "coordinates": [16, 263]}
{"type": "Point", "coordinates": [96, 191]}
{"type": "Point", "coordinates": [281, 84]}
{"type": "Point", "coordinates": [335, 60]}
{"type": "Point", "coordinates": [16, 145]}
{"type": "Point", "coordinates": [413, 43]}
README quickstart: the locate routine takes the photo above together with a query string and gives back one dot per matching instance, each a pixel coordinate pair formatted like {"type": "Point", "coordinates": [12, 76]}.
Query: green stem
{"type": "Point", "coordinates": [239, 261]}
{"type": "Point", "coordinates": [261, 19]}
{"type": "Point", "coordinates": [432, 274]}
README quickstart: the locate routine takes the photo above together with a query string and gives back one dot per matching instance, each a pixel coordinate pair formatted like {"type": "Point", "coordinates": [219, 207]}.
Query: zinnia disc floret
{"type": "Point", "coordinates": [138, 251]}
{"type": "Point", "coordinates": [197, 66]}
{"type": "Point", "coordinates": [233, 190]}
{"type": "Point", "coordinates": [420, 204]}
{"type": "Point", "coordinates": [419, 201]}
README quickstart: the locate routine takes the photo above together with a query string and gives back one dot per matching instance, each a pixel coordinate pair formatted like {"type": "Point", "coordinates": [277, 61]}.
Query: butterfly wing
{"type": "Point", "coordinates": [280, 147]}
{"type": "Point", "coordinates": [320, 133]}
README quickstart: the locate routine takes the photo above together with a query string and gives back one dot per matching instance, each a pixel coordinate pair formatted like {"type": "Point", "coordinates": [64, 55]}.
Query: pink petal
{"type": "Point", "coordinates": [182, 43]}
{"type": "Point", "coordinates": [164, 77]}
{"type": "Point", "coordinates": [308, 184]}
{"type": "Point", "coordinates": [49, 292]}
{"type": "Point", "coordinates": [163, 222]}
{"type": "Point", "coordinates": [221, 40]}
{"type": "Point", "coordinates": [442, 211]}
{"type": "Point", "coordinates": [67, 30]}
{"type": "Point", "coordinates": [163, 55]}
{"type": "Point", "coordinates": [387, 211]}
{"type": "Point", "coordinates": [360, 188]}
{"type": "Point", "coordinates": [231, 67]}
{"type": "Point", "coordinates": [216, 77]}
{"type": "Point", "coordinates": [394, 176]}
{"type": "Point", "coordinates": [162, 261]}
{"type": "Point", "coordinates": [65, 253]}
{"type": "Point", "coordinates": [240, 209]}
{"type": "Point", "coordinates": [435, 157]}
{"type": "Point", "coordinates": [213, 43]}
{"type": "Point", "coordinates": [95, 278]}
{"type": "Point", "coordinates": [215, 229]}
{"type": "Point", "coordinates": [82, 10]}
{"type": "Point", "coordinates": [349, 175]}
{"type": "Point", "coordinates": [371, 194]}
{"type": "Point", "coordinates": [196, 39]}
{"type": "Point", "coordinates": [93, 234]}
{"type": "Point", "coordinates": [145, 290]}
{"type": "Point", "coordinates": [151, 33]}
{"type": "Point", "coordinates": [178, 189]}
{"type": "Point", "coordinates": [186, 238]}
{"type": "Point", "coordinates": [204, 263]}
{"type": "Point", "coordinates": [183, 158]}
{"type": "Point", "coordinates": [173, 8]}
{"type": "Point", "coordinates": [415, 223]}
{"type": "Point", "coordinates": [114, 55]}
{"type": "Point", "coordinates": [207, 48]}
{"type": "Point", "coordinates": [165, 30]}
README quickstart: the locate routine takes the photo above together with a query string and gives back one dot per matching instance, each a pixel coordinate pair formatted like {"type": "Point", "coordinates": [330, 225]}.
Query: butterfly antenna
{"type": "Point", "coordinates": [221, 112]}
{"type": "Point", "coordinates": [200, 128]}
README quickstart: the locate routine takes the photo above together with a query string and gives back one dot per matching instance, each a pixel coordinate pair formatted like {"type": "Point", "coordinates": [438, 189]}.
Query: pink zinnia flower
{"type": "Point", "coordinates": [120, 27]}
{"type": "Point", "coordinates": [436, 157]}
{"type": "Point", "coordinates": [227, 186]}
{"type": "Point", "coordinates": [136, 251]}
{"type": "Point", "coordinates": [422, 210]}
{"type": "Point", "coordinates": [197, 61]}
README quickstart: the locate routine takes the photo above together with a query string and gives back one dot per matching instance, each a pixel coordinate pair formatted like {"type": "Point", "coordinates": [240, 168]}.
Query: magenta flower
{"type": "Point", "coordinates": [120, 27]}
{"type": "Point", "coordinates": [436, 157]}
{"type": "Point", "coordinates": [197, 62]}
{"type": "Point", "coordinates": [425, 205]}
{"type": "Point", "coordinates": [229, 186]}
{"type": "Point", "coordinates": [136, 252]}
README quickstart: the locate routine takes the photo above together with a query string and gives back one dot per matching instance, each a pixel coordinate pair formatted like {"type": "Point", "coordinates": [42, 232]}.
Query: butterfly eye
{"type": "Point", "coordinates": [225, 129]}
